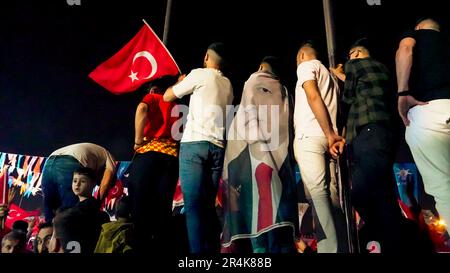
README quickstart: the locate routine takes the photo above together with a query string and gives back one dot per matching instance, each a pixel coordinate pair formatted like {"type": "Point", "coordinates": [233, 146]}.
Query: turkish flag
{"type": "Point", "coordinates": [17, 213]}
{"type": "Point", "coordinates": [143, 59]}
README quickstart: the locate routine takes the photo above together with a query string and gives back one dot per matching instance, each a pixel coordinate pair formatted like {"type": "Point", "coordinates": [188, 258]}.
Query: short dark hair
{"type": "Point", "coordinates": [90, 173]}
{"type": "Point", "coordinates": [163, 82]}
{"type": "Point", "coordinates": [362, 42]}
{"type": "Point", "coordinates": [70, 225]}
{"type": "Point", "coordinates": [20, 225]}
{"type": "Point", "coordinates": [311, 44]}
{"type": "Point", "coordinates": [44, 225]}
{"type": "Point", "coordinates": [276, 65]}
{"type": "Point", "coordinates": [220, 49]}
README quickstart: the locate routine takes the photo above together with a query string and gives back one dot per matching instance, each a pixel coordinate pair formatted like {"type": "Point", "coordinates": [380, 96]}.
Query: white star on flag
{"type": "Point", "coordinates": [133, 76]}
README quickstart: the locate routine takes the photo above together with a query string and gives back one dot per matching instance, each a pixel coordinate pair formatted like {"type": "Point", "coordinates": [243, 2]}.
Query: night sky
{"type": "Point", "coordinates": [48, 48]}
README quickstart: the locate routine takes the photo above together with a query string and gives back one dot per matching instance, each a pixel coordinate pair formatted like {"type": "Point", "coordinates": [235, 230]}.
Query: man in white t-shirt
{"type": "Point", "coordinates": [316, 98]}
{"type": "Point", "coordinates": [202, 146]}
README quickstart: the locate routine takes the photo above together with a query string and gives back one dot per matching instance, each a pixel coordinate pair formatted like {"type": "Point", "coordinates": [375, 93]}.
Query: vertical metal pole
{"type": "Point", "coordinates": [329, 28]}
{"type": "Point", "coordinates": [167, 21]}
{"type": "Point", "coordinates": [348, 210]}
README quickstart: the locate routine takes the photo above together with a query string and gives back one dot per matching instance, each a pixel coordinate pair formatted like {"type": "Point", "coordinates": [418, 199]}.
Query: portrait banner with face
{"type": "Point", "coordinates": [260, 193]}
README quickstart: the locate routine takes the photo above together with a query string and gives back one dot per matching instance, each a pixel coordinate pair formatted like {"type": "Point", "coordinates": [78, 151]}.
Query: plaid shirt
{"type": "Point", "coordinates": [366, 91]}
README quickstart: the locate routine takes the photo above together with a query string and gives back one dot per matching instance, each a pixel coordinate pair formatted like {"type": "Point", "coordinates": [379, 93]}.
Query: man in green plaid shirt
{"type": "Point", "coordinates": [370, 132]}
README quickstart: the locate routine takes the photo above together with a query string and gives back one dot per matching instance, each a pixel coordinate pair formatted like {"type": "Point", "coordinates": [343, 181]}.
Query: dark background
{"type": "Point", "coordinates": [48, 48]}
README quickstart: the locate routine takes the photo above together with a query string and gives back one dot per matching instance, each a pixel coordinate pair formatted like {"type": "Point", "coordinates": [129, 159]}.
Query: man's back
{"type": "Point", "coordinates": [211, 93]}
{"type": "Point", "coordinates": [304, 119]}
{"type": "Point", "coordinates": [431, 65]}
{"type": "Point", "coordinates": [89, 155]}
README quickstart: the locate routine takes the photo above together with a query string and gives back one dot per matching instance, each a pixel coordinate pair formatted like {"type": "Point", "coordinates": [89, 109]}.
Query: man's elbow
{"type": "Point", "coordinates": [312, 97]}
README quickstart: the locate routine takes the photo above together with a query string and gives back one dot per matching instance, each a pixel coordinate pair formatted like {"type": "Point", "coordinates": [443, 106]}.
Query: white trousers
{"type": "Point", "coordinates": [428, 137]}
{"type": "Point", "coordinates": [318, 175]}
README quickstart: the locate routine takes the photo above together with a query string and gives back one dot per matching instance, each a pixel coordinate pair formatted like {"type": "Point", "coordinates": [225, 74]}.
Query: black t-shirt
{"type": "Point", "coordinates": [93, 219]}
{"type": "Point", "coordinates": [430, 74]}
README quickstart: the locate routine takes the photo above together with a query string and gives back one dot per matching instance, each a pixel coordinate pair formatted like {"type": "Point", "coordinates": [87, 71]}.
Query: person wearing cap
{"type": "Point", "coordinates": [203, 145]}
{"type": "Point", "coordinates": [154, 170]}
{"type": "Point", "coordinates": [423, 79]}
{"type": "Point", "coordinates": [371, 134]}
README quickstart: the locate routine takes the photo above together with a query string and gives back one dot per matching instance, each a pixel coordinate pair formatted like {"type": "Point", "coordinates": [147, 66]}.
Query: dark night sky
{"type": "Point", "coordinates": [48, 48]}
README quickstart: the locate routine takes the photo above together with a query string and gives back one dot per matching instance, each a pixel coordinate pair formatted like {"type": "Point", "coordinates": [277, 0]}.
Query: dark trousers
{"type": "Point", "coordinates": [153, 178]}
{"type": "Point", "coordinates": [57, 177]}
{"type": "Point", "coordinates": [373, 188]}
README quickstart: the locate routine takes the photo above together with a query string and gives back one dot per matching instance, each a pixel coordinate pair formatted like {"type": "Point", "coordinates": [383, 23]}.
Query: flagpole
{"type": "Point", "coordinates": [329, 29]}
{"type": "Point", "coordinates": [167, 21]}
{"type": "Point", "coordinates": [352, 238]}
{"type": "Point", "coordinates": [5, 182]}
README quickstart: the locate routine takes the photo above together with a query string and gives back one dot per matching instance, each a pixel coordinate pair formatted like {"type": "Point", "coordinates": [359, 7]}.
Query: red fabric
{"type": "Point", "coordinates": [17, 213]}
{"type": "Point", "coordinates": [142, 59]}
{"type": "Point", "coordinates": [159, 116]}
{"type": "Point", "coordinates": [263, 176]}
{"type": "Point", "coordinates": [3, 188]}
{"type": "Point", "coordinates": [406, 210]}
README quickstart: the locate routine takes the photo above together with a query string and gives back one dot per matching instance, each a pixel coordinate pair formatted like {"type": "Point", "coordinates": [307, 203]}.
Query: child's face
{"type": "Point", "coordinates": [82, 185]}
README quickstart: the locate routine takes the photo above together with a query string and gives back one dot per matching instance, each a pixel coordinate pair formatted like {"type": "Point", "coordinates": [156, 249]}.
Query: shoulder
{"type": "Point", "coordinates": [408, 38]}
{"type": "Point", "coordinates": [198, 72]}
{"type": "Point", "coordinates": [309, 65]}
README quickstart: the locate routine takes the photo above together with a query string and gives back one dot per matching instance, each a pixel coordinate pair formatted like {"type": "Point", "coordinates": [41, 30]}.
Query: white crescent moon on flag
{"type": "Point", "coordinates": [151, 59]}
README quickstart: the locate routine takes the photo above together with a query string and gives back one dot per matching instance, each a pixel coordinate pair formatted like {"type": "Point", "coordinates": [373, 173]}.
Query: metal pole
{"type": "Point", "coordinates": [329, 28]}
{"type": "Point", "coordinates": [347, 207]}
{"type": "Point", "coordinates": [167, 21]}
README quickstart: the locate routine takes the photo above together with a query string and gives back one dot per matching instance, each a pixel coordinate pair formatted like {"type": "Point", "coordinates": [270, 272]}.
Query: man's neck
{"type": "Point", "coordinates": [213, 66]}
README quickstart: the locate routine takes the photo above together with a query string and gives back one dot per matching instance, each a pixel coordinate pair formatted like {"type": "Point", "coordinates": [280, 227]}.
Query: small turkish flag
{"type": "Point", "coordinates": [143, 59]}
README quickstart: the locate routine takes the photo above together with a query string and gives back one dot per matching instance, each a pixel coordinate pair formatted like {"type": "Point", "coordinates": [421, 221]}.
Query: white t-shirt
{"type": "Point", "coordinates": [89, 155]}
{"type": "Point", "coordinates": [211, 93]}
{"type": "Point", "coordinates": [305, 122]}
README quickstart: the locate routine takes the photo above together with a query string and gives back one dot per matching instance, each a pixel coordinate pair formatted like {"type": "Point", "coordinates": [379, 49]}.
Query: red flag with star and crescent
{"type": "Point", "coordinates": [143, 59]}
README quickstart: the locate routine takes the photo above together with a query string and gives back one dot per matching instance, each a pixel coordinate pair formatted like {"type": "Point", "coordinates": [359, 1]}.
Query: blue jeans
{"type": "Point", "coordinates": [201, 166]}
{"type": "Point", "coordinates": [57, 179]}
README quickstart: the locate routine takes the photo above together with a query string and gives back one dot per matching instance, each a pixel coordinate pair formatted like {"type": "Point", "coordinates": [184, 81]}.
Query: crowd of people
{"type": "Point", "coordinates": [250, 151]}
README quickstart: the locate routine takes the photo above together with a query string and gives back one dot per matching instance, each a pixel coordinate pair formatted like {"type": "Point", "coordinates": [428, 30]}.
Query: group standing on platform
{"type": "Point", "coordinates": [253, 166]}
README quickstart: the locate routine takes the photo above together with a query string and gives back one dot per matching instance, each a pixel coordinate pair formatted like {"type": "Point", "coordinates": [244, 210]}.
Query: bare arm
{"type": "Point", "coordinates": [140, 120]}
{"type": "Point", "coordinates": [169, 95]}
{"type": "Point", "coordinates": [403, 64]}
{"type": "Point", "coordinates": [338, 72]}
{"type": "Point", "coordinates": [106, 183]}
{"type": "Point", "coordinates": [323, 117]}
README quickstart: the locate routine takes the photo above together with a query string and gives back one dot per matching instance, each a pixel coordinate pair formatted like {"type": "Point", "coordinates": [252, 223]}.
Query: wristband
{"type": "Point", "coordinates": [404, 93]}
